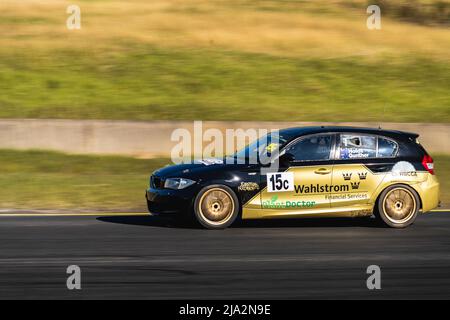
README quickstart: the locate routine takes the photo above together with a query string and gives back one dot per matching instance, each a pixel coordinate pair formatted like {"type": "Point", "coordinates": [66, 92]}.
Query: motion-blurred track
{"type": "Point", "coordinates": [147, 257]}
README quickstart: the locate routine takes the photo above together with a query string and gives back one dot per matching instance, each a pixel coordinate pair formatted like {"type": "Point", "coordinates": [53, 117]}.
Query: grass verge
{"type": "Point", "coordinates": [221, 60]}
{"type": "Point", "coordinates": [47, 180]}
{"type": "Point", "coordinates": [152, 84]}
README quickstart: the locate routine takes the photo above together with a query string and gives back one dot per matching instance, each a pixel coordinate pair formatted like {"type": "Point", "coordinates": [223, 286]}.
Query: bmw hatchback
{"type": "Point", "coordinates": [319, 172]}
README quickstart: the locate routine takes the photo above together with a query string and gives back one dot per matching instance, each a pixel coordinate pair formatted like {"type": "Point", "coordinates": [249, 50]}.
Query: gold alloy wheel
{"type": "Point", "coordinates": [216, 206]}
{"type": "Point", "coordinates": [399, 205]}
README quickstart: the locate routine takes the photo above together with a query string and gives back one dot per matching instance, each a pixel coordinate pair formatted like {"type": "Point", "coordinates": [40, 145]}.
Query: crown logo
{"type": "Point", "coordinates": [355, 185]}
{"type": "Point", "coordinates": [362, 175]}
{"type": "Point", "coordinates": [347, 176]}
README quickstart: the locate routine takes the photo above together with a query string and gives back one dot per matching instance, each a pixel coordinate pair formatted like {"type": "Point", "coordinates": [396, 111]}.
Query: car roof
{"type": "Point", "coordinates": [301, 131]}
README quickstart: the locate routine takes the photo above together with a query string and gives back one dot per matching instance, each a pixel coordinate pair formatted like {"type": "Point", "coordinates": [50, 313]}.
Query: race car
{"type": "Point", "coordinates": [320, 172]}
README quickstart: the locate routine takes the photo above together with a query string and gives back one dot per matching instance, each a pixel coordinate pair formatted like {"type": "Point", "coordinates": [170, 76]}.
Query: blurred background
{"type": "Point", "coordinates": [219, 60]}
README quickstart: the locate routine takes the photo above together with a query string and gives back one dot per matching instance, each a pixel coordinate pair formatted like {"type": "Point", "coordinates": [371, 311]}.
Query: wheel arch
{"type": "Point", "coordinates": [228, 189]}
{"type": "Point", "coordinates": [230, 185]}
{"type": "Point", "coordinates": [375, 208]}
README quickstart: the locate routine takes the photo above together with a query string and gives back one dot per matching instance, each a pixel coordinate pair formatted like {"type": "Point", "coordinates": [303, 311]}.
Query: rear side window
{"type": "Point", "coordinates": [386, 148]}
{"type": "Point", "coordinates": [359, 146]}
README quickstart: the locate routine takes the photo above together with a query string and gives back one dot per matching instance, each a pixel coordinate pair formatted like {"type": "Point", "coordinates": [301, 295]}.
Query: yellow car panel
{"type": "Point", "coordinates": [346, 191]}
{"type": "Point", "coordinates": [362, 181]}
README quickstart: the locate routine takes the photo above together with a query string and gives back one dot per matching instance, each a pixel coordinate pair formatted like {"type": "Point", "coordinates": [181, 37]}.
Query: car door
{"type": "Point", "coordinates": [303, 185]}
{"type": "Point", "coordinates": [362, 161]}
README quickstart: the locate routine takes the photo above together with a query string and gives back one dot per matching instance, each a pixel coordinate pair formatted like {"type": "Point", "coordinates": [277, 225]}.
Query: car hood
{"type": "Point", "coordinates": [204, 165]}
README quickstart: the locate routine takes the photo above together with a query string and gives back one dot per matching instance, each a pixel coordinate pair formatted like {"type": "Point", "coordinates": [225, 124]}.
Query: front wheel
{"type": "Point", "coordinates": [398, 206]}
{"type": "Point", "coordinates": [216, 207]}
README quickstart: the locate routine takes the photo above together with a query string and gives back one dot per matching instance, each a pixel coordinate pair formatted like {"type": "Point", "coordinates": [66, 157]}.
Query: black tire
{"type": "Point", "coordinates": [397, 206]}
{"type": "Point", "coordinates": [216, 207]}
{"type": "Point", "coordinates": [148, 206]}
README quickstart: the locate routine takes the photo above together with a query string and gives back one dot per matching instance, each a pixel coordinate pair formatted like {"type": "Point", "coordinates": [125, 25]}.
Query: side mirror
{"type": "Point", "coordinates": [286, 159]}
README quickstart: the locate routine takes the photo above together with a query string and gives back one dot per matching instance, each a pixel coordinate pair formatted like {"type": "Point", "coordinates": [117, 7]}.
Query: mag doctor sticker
{"type": "Point", "coordinates": [280, 181]}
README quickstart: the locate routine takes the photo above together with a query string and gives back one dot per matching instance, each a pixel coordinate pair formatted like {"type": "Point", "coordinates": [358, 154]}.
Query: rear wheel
{"type": "Point", "coordinates": [216, 207]}
{"type": "Point", "coordinates": [398, 206]}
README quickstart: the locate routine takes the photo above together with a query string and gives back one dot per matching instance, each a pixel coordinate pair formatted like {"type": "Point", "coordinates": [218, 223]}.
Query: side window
{"type": "Point", "coordinates": [386, 148]}
{"type": "Point", "coordinates": [312, 148]}
{"type": "Point", "coordinates": [357, 146]}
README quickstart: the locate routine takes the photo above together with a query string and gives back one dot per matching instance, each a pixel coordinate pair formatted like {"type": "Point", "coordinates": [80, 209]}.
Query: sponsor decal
{"type": "Point", "coordinates": [208, 162]}
{"type": "Point", "coordinates": [347, 176]}
{"type": "Point", "coordinates": [274, 204]}
{"type": "Point", "coordinates": [355, 185]}
{"type": "Point", "coordinates": [403, 166]}
{"type": "Point", "coordinates": [362, 175]}
{"type": "Point", "coordinates": [248, 186]}
{"type": "Point", "coordinates": [280, 182]}
{"type": "Point", "coordinates": [347, 196]}
{"type": "Point", "coordinates": [272, 147]}
{"type": "Point", "coordinates": [408, 174]}
{"type": "Point", "coordinates": [404, 169]}
{"type": "Point", "coordinates": [362, 213]}
{"type": "Point", "coordinates": [317, 188]}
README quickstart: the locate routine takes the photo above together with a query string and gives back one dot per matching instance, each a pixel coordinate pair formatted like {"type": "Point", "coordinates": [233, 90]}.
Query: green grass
{"type": "Point", "coordinates": [145, 83]}
{"type": "Point", "coordinates": [226, 60]}
{"type": "Point", "coordinates": [48, 180]}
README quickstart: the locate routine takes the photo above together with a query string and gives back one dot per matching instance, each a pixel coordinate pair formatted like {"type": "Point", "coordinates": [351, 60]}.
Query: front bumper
{"type": "Point", "coordinates": [166, 201]}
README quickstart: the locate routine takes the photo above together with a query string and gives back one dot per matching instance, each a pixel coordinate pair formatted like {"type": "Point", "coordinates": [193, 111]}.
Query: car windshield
{"type": "Point", "coordinates": [264, 146]}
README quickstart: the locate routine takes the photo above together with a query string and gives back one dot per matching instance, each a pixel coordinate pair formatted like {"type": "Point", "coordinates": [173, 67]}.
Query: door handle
{"type": "Point", "coordinates": [322, 171]}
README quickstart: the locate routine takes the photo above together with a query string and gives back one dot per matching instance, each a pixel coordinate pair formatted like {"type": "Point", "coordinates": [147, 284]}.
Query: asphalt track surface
{"type": "Point", "coordinates": [143, 257]}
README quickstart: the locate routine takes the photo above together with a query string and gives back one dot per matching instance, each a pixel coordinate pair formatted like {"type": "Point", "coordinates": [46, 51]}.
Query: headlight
{"type": "Point", "coordinates": [178, 183]}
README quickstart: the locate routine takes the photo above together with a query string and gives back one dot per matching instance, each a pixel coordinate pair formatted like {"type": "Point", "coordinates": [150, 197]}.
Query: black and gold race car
{"type": "Point", "coordinates": [321, 172]}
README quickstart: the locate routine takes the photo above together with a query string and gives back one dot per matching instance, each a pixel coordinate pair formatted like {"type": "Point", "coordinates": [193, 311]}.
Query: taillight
{"type": "Point", "coordinates": [428, 164]}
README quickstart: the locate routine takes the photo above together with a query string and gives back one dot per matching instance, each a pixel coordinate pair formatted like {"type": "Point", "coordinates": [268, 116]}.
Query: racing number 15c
{"type": "Point", "coordinates": [282, 181]}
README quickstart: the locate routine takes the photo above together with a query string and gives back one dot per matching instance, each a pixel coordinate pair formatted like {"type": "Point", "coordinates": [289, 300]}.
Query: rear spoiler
{"type": "Point", "coordinates": [410, 135]}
